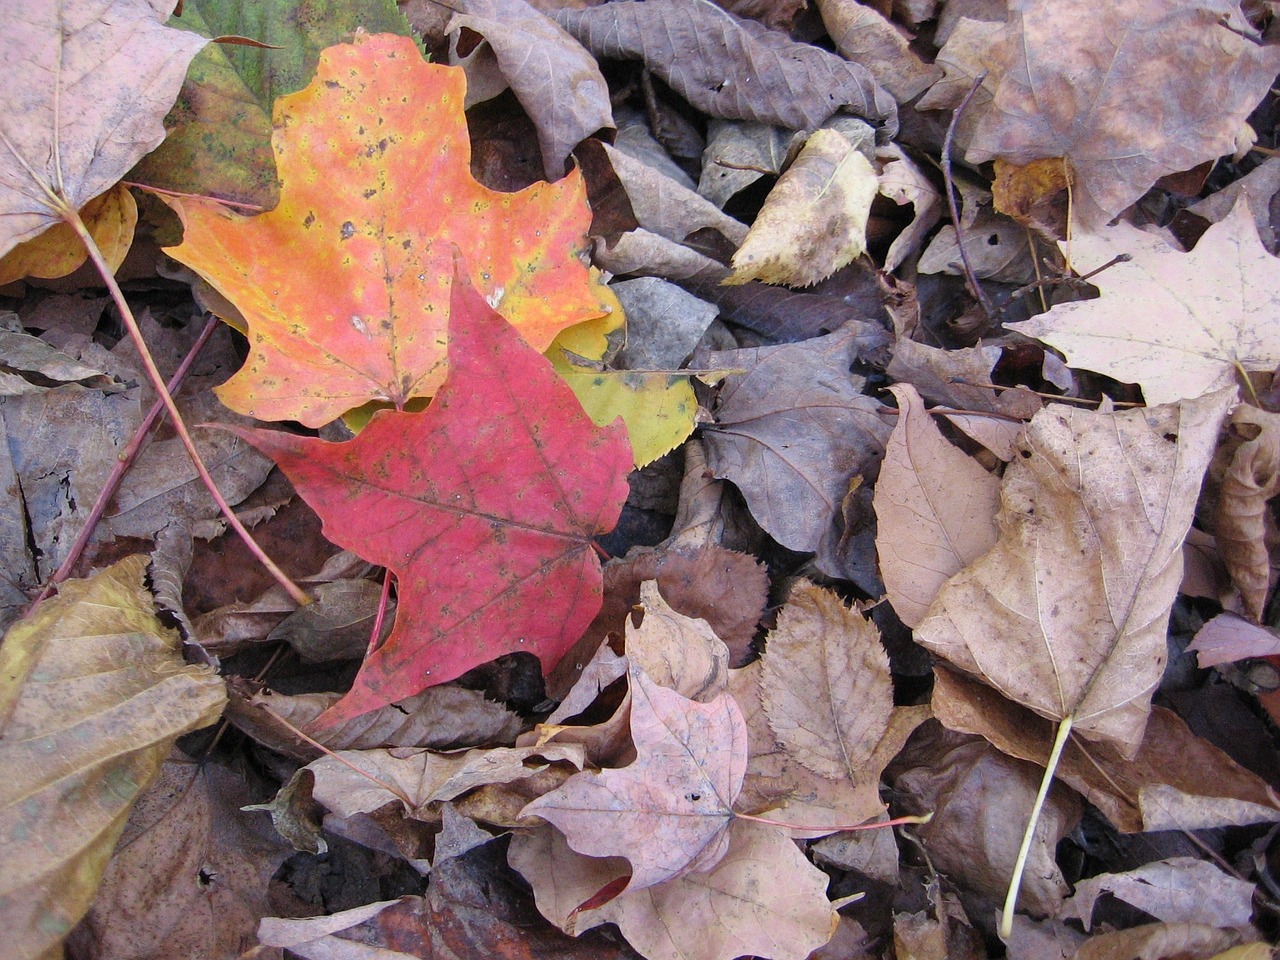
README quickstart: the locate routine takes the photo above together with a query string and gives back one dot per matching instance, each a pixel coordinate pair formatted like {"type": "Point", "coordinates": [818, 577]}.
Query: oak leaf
{"type": "Point", "coordinates": [345, 283]}
{"type": "Point", "coordinates": [84, 98]}
{"type": "Point", "coordinates": [1177, 324]}
{"type": "Point", "coordinates": [1108, 89]}
{"type": "Point", "coordinates": [483, 506]}
{"type": "Point", "coordinates": [669, 811]}
{"type": "Point", "coordinates": [1066, 614]}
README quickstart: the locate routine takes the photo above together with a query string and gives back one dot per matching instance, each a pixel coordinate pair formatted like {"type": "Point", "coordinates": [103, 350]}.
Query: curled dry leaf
{"type": "Point", "coordinates": [669, 811]}
{"type": "Point", "coordinates": [1178, 890]}
{"type": "Point", "coordinates": [814, 221]}
{"type": "Point", "coordinates": [1228, 638]}
{"type": "Point", "coordinates": [935, 509]}
{"type": "Point", "coordinates": [93, 697]}
{"type": "Point", "coordinates": [678, 652]}
{"type": "Point", "coordinates": [825, 685]}
{"type": "Point", "coordinates": [862, 35]}
{"type": "Point", "coordinates": [1177, 324]}
{"type": "Point", "coordinates": [732, 68]}
{"type": "Point", "coordinates": [1066, 614]}
{"type": "Point", "coordinates": [1239, 522]}
{"type": "Point", "coordinates": [763, 898]}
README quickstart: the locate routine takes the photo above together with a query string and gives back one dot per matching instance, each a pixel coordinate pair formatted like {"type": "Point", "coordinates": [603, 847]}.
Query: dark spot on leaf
{"type": "Point", "coordinates": [348, 230]}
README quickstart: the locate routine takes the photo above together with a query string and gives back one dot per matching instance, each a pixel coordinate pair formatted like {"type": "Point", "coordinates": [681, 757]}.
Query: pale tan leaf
{"type": "Point", "coordinates": [763, 898]}
{"type": "Point", "coordinates": [935, 509]}
{"type": "Point", "coordinates": [1065, 73]}
{"type": "Point", "coordinates": [814, 221]}
{"type": "Point", "coordinates": [902, 182]}
{"type": "Point", "coordinates": [85, 93]}
{"type": "Point", "coordinates": [1178, 890]}
{"type": "Point", "coordinates": [1228, 638]}
{"type": "Point", "coordinates": [1066, 614]}
{"type": "Point", "coordinates": [865, 36]}
{"type": "Point", "coordinates": [669, 811]}
{"type": "Point", "coordinates": [422, 776]}
{"type": "Point", "coordinates": [94, 694]}
{"type": "Point", "coordinates": [1177, 324]}
{"type": "Point", "coordinates": [825, 685]}
{"type": "Point", "coordinates": [1159, 941]}
{"type": "Point", "coordinates": [676, 651]}
{"type": "Point", "coordinates": [1239, 522]}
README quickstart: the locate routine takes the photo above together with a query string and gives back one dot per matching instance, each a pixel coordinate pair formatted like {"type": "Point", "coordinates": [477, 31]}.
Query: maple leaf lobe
{"type": "Point", "coordinates": [484, 506]}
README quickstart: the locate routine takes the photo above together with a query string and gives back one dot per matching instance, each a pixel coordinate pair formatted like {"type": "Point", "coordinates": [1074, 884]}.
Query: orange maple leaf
{"type": "Point", "coordinates": [345, 284]}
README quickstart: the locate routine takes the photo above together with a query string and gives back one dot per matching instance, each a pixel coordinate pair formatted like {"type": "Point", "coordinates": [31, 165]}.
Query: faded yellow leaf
{"type": "Point", "coordinates": [814, 221]}
{"type": "Point", "coordinates": [111, 218]}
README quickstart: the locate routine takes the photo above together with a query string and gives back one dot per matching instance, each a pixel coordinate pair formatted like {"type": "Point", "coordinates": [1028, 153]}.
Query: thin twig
{"type": "Point", "coordinates": [376, 634]}
{"type": "Point", "coordinates": [125, 460]}
{"type": "Point", "coordinates": [951, 196]}
{"type": "Point", "coordinates": [72, 217]}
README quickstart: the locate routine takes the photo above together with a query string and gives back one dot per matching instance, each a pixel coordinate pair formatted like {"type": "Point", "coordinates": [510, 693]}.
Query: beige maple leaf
{"type": "Point", "coordinates": [1178, 324]}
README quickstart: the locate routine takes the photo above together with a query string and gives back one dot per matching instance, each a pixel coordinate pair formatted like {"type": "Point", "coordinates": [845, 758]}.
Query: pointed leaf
{"type": "Point", "coordinates": [483, 506]}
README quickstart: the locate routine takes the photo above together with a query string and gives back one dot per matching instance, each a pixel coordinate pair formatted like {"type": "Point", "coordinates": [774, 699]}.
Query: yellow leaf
{"type": "Point", "coordinates": [111, 218]}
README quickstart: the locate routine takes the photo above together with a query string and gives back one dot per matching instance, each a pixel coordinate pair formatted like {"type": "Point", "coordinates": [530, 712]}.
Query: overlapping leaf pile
{"type": "Point", "coordinates": [962, 600]}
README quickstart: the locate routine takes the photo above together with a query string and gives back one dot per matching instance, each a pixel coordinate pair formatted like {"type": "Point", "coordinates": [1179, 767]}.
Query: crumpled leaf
{"type": "Point", "coordinates": [1159, 941]}
{"type": "Point", "coordinates": [94, 694]}
{"type": "Point", "coordinates": [1065, 77]}
{"type": "Point", "coordinates": [504, 471]}
{"type": "Point", "coordinates": [763, 898]}
{"type": "Point", "coordinates": [732, 68]}
{"type": "Point", "coordinates": [85, 94]}
{"type": "Point", "coordinates": [344, 283]}
{"type": "Point", "coordinates": [864, 35]}
{"type": "Point", "coordinates": [793, 453]}
{"type": "Point", "coordinates": [1177, 324]}
{"type": "Point", "coordinates": [935, 509]}
{"type": "Point", "coordinates": [1177, 890]}
{"type": "Point", "coordinates": [825, 685]}
{"type": "Point", "coordinates": [1239, 522]}
{"type": "Point", "coordinates": [556, 81]}
{"type": "Point", "coordinates": [903, 182]}
{"type": "Point", "coordinates": [1067, 613]}
{"type": "Point", "coordinates": [814, 221]}
{"type": "Point", "coordinates": [669, 811]}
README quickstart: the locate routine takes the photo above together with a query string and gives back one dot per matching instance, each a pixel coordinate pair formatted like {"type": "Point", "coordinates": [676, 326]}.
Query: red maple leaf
{"type": "Point", "coordinates": [484, 506]}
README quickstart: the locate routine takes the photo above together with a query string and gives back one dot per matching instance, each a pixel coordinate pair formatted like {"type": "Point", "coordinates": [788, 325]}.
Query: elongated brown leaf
{"type": "Point", "coordinates": [1067, 613]}
{"type": "Point", "coordinates": [1239, 522]}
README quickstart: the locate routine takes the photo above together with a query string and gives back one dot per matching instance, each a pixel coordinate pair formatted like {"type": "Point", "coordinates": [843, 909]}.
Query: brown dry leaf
{"type": "Point", "coordinates": [935, 509]}
{"type": "Point", "coordinates": [763, 898]}
{"type": "Point", "coordinates": [962, 57]}
{"type": "Point", "coordinates": [864, 36]}
{"type": "Point", "coordinates": [84, 96]}
{"type": "Point", "coordinates": [1107, 89]}
{"type": "Point", "coordinates": [1178, 890]}
{"type": "Point", "coordinates": [960, 378]}
{"type": "Point", "coordinates": [793, 453]}
{"type": "Point", "coordinates": [94, 694]}
{"type": "Point", "coordinates": [776, 781]}
{"type": "Point", "coordinates": [556, 81]}
{"type": "Point", "coordinates": [1228, 638]}
{"type": "Point", "coordinates": [825, 685]}
{"type": "Point", "coordinates": [1160, 941]}
{"type": "Point", "coordinates": [669, 811]}
{"type": "Point", "coordinates": [732, 68]}
{"type": "Point", "coordinates": [814, 220]}
{"type": "Point", "coordinates": [1239, 522]}
{"type": "Point", "coordinates": [1066, 614]}
{"type": "Point", "coordinates": [1177, 324]}
{"type": "Point", "coordinates": [902, 182]}
{"type": "Point", "coordinates": [110, 219]}
{"type": "Point", "coordinates": [189, 876]}
{"type": "Point", "coordinates": [443, 718]}
{"type": "Point", "coordinates": [422, 776]}
{"type": "Point", "coordinates": [678, 652]}
{"type": "Point", "coordinates": [980, 800]}
{"type": "Point", "coordinates": [1176, 781]}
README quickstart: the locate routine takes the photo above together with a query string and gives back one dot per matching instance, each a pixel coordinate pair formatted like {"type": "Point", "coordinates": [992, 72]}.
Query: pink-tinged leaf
{"type": "Point", "coordinates": [484, 507]}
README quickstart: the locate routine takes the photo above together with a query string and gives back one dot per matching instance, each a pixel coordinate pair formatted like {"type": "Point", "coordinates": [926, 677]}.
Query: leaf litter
{"type": "Point", "coordinates": [871, 552]}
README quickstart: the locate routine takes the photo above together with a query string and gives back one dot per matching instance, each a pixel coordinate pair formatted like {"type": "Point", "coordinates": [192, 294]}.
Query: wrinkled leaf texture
{"type": "Point", "coordinates": [483, 506]}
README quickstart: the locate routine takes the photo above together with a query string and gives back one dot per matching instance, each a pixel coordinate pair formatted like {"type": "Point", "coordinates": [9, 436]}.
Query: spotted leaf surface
{"type": "Point", "coordinates": [345, 284]}
{"type": "Point", "coordinates": [483, 506]}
